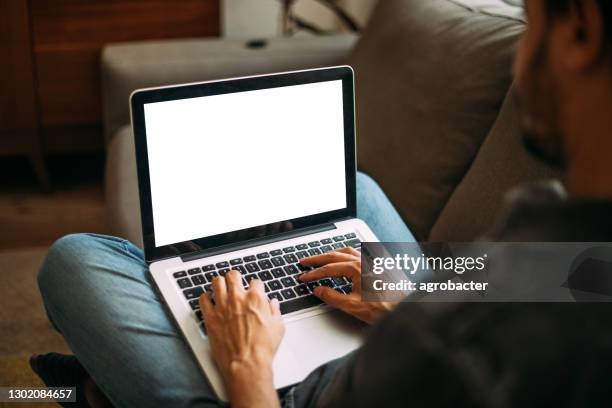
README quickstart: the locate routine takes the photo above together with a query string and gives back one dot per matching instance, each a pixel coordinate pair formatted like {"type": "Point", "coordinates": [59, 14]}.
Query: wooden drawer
{"type": "Point", "coordinates": [69, 34]}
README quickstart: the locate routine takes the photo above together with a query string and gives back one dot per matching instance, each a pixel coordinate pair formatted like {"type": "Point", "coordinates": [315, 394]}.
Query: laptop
{"type": "Point", "coordinates": [251, 174]}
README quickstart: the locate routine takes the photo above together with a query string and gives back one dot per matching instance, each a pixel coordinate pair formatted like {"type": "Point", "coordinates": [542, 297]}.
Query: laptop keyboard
{"type": "Point", "coordinates": [277, 269]}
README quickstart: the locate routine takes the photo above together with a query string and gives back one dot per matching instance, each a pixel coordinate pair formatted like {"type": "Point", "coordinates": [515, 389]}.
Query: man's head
{"type": "Point", "coordinates": [564, 71]}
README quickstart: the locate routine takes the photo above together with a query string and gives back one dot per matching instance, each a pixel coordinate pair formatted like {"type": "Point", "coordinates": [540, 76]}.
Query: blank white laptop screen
{"type": "Point", "coordinates": [229, 162]}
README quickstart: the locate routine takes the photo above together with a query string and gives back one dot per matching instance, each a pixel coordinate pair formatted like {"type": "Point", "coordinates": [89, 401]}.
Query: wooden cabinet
{"type": "Point", "coordinates": [19, 129]}
{"type": "Point", "coordinates": [49, 74]}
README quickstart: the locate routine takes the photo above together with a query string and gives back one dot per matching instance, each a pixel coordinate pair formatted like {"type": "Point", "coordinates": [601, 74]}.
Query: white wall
{"type": "Point", "coordinates": [262, 18]}
{"type": "Point", "coordinates": [249, 18]}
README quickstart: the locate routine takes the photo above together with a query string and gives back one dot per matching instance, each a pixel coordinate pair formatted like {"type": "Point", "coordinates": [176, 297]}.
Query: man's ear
{"type": "Point", "coordinates": [584, 35]}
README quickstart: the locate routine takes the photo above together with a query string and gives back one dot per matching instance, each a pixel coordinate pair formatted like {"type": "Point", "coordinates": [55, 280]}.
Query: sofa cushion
{"type": "Point", "coordinates": [121, 184]}
{"type": "Point", "coordinates": [430, 79]}
{"type": "Point", "coordinates": [502, 163]}
{"type": "Point", "coordinates": [129, 66]}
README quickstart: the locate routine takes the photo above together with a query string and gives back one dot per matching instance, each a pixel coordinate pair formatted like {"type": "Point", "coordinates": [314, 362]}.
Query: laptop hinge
{"type": "Point", "coordinates": [257, 242]}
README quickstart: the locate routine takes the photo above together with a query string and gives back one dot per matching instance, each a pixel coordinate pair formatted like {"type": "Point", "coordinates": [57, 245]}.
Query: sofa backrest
{"type": "Point", "coordinates": [431, 77]}
{"type": "Point", "coordinates": [500, 166]}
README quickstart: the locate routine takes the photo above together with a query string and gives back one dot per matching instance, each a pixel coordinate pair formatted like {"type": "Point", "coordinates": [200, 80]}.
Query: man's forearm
{"type": "Point", "coordinates": [252, 385]}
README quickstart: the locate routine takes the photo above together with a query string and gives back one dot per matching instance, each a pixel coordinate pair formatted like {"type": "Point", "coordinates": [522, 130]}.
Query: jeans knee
{"type": "Point", "coordinates": [365, 182]}
{"type": "Point", "coordinates": [62, 258]}
{"type": "Point", "coordinates": [56, 264]}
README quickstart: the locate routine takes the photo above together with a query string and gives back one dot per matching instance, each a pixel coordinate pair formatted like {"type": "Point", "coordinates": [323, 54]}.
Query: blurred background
{"type": "Point", "coordinates": [51, 117]}
{"type": "Point", "coordinates": [53, 149]}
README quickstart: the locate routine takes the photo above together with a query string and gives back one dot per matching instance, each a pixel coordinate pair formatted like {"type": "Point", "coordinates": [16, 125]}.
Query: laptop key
{"type": "Point", "coordinates": [275, 285]}
{"type": "Point", "coordinates": [278, 273]}
{"type": "Point", "coordinates": [250, 258]}
{"type": "Point", "coordinates": [299, 304]}
{"type": "Point", "coordinates": [263, 255]}
{"type": "Point", "coordinates": [291, 269]}
{"type": "Point", "coordinates": [290, 258]}
{"type": "Point", "coordinates": [314, 244]}
{"type": "Point", "coordinates": [241, 269]}
{"type": "Point", "coordinates": [326, 241]}
{"type": "Point", "coordinates": [179, 274]}
{"type": "Point", "coordinates": [276, 252]}
{"type": "Point", "coordinates": [303, 268]}
{"type": "Point", "coordinates": [223, 272]}
{"type": "Point", "coordinates": [289, 249]}
{"type": "Point", "coordinates": [208, 288]}
{"type": "Point", "coordinates": [250, 277]}
{"type": "Point", "coordinates": [278, 261]}
{"type": "Point", "coordinates": [347, 289]}
{"type": "Point", "coordinates": [302, 290]}
{"type": "Point", "coordinates": [184, 283]}
{"type": "Point", "coordinates": [339, 281]}
{"type": "Point", "coordinates": [326, 282]}
{"type": "Point", "coordinates": [314, 251]}
{"type": "Point", "coordinates": [195, 304]}
{"type": "Point", "coordinates": [288, 293]}
{"type": "Point", "coordinates": [265, 264]}
{"type": "Point", "coordinates": [288, 281]}
{"type": "Point", "coordinates": [236, 261]}
{"type": "Point", "coordinates": [301, 247]}
{"type": "Point", "coordinates": [252, 267]}
{"type": "Point", "coordinates": [326, 248]}
{"type": "Point", "coordinates": [211, 275]}
{"type": "Point", "coordinates": [223, 264]}
{"type": "Point", "coordinates": [302, 254]}
{"type": "Point", "coordinates": [193, 271]}
{"type": "Point", "coordinates": [198, 280]}
{"type": "Point", "coordinates": [193, 293]}
{"type": "Point", "coordinates": [339, 238]}
{"type": "Point", "coordinates": [265, 275]}
{"type": "Point", "coordinates": [350, 236]}
{"type": "Point", "coordinates": [208, 268]}
{"type": "Point", "coordinates": [312, 285]}
{"type": "Point", "coordinates": [353, 243]}
{"type": "Point", "coordinates": [338, 245]}
{"type": "Point", "coordinates": [275, 295]}
{"type": "Point", "coordinates": [199, 315]}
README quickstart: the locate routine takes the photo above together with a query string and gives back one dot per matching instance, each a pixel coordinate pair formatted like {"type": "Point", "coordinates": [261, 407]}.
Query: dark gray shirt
{"type": "Point", "coordinates": [485, 355]}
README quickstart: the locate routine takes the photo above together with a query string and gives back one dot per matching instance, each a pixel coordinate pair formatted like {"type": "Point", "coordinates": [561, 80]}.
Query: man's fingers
{"type": "Point", "coordinates": [257, 290]}
{"type": "Point", "coordinates": [234, 284]}
{"type": "Point", "coordinates": [257, 285]}
{"type": "Point", "coordinates": [329, 295]}
{"type": "Point", "coordinates": [327, 258]}
{"type": "Point", "coordinates": [333, 270]}
{"type": "Point", "coordinates": [206, 304]}
{"type": "Point", "coordinates": [350, 250]}
{"type": "Point", "coordinates": [220, 290]}
{"type": "Point", "coordinates": [275, 307]}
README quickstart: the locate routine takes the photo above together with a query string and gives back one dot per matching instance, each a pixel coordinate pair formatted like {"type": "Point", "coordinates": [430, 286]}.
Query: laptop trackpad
{"type": "Point", "coordinates": [313, 341]}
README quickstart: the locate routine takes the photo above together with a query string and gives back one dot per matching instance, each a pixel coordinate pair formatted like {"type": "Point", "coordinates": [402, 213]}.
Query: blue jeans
{"type": "Point", "coordinates": [97, 293]}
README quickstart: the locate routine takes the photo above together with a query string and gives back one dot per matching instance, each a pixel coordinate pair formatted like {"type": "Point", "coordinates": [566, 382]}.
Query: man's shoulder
{"type": "Point", "coordinates": [541, 212]}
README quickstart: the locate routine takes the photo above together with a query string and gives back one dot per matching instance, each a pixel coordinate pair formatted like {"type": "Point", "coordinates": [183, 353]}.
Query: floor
{"type": "Point", "coordinates": [30, 218]}
{"type": "Point", "coordinates": [30, 221]}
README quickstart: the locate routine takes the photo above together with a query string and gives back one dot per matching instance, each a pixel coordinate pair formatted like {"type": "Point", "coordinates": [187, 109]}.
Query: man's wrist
{"type": "Point", "coordinates": [240, 370]}
{"type": "Point", "coordinates": [253, 376]}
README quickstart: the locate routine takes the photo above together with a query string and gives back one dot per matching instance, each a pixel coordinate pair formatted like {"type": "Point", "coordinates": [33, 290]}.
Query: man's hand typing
{"type": "Point", "coordinates": [345, 262]}
{"type": "Point", "coordinates": [244, 330]}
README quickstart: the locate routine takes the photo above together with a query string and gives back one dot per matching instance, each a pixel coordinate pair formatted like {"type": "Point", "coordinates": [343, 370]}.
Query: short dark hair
{"type": "Point", "coordinates": [560, 7]}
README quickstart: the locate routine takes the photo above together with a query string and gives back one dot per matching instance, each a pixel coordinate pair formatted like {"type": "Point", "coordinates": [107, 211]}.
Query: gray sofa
{"type": "Point", "coordinates": [436, 125]}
